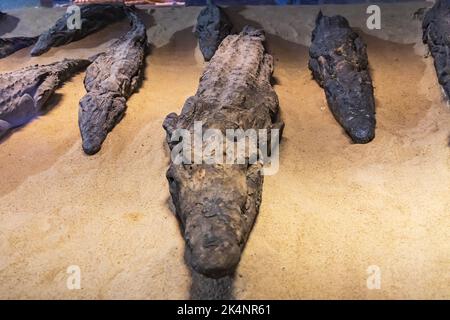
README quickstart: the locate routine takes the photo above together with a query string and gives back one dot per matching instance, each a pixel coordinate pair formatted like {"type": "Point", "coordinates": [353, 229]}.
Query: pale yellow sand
{"type": "Point", "coordinates": [333, 209]}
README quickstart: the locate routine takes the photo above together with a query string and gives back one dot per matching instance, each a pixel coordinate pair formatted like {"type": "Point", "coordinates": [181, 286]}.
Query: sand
{"type": "Point", "coordinates": [333, 209]}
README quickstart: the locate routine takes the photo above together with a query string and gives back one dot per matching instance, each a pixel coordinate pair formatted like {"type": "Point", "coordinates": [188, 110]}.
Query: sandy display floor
{"type": "Point", "coordinates": [333, 210]}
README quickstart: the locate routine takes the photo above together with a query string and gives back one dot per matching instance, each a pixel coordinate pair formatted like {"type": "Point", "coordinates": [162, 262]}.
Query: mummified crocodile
{"type": "Point", "coordinates": [10, 45]}
{"type": "Point", "coordinates": [110, 80]}
{"type": "Point", "coordinates": [212, 27]}
{"type": "Point", "coordinates": [436, 33]}
{"type": "Point", "coordinates": [94, 17]}
{"type": "Point", "coordinates": [23, 93]}
{"type": "Point", "coordinates": [339, 63]}
{"type": "Point", "coordinates": [216, 203]}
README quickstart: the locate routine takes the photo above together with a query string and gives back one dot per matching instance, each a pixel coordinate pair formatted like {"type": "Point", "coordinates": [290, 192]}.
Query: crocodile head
{"type": "Point", "coordinates": [98, 114]}
{"type": "Point", "coordinates": [216, 211]}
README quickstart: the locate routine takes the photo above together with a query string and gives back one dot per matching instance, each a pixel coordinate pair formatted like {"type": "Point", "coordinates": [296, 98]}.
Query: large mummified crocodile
{"type": "Point", "coordinates": [110, 80]}
{"type": "Point", "coordinates": [94, 17]}
{"type": "Point", "coordinates": [218, 203]}
{"type": "Point", "coordinates": [10, 45]}
{"type": "Point", "coordinates": [436, 33]}
{"type": "Point", "coordinates": [339, 63]}
{"type": "Point", "coordinates": [212, 27]}
{"type": "Point", "coordinates": [23, 93]}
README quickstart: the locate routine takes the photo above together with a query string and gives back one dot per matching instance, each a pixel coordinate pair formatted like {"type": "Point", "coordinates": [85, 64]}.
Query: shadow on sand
{"type": "Point", "coordinates": [203, 288]}
{"type": "Point", "coordinates": [8, 23]}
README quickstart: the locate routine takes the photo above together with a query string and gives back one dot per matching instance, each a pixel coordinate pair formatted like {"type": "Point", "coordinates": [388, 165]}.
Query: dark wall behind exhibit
{"type": "Point", "coordinates": [284, 2]}
{"type": "Point", "coordinates": [13, 4]}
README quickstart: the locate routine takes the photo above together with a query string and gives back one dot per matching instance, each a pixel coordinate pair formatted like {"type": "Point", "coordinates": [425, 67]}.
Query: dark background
{"type": "Point", "coordinates": [12, 4]}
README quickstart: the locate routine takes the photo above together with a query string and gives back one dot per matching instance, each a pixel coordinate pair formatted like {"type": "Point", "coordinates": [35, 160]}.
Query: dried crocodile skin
{"type": "Point", "coordinates": [110, 80]}
{"type": "Point", "coordinates": [10, 45]}
{"type": "Point", "coordinates": [339, 63]}
{"type": "Point", "coordinates": [212, 27]}
{"type": "Point", "coordinates": [23, 93]}
{"type": "Point", "coordinates": [436, 33]}
{"type": "Point", "coordinates": [217, 204]}
{"type": "Point", "coordinates": [94, 17]}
